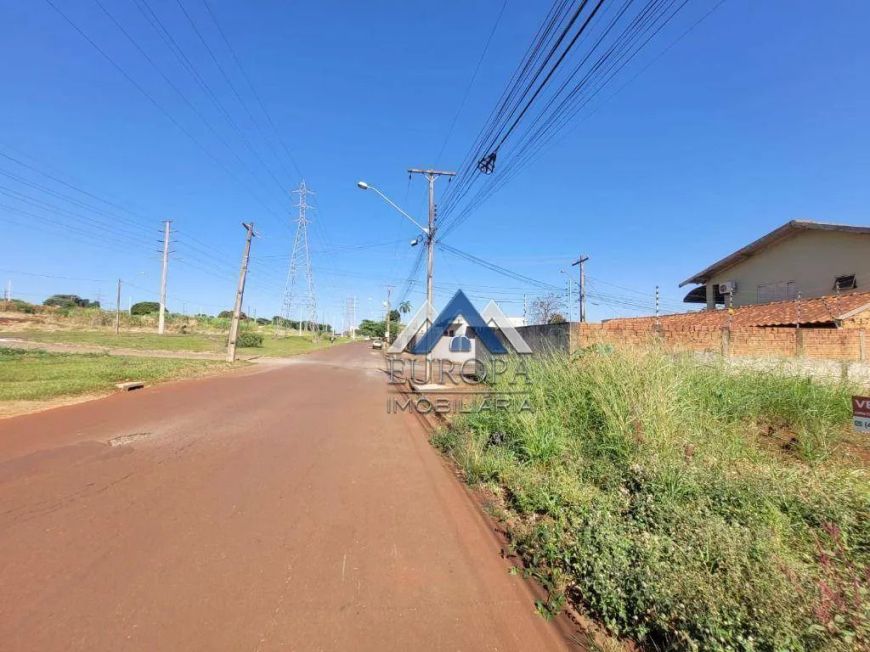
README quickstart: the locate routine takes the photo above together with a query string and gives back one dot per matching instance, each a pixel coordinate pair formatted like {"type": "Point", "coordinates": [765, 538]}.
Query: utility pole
{"type": "Point", "coordinates": [353, 317]}
{"type": "Point", "coordinates": [430, 175]}
{"type": "Point", "coordinates": [389, 292]}
{"type": "Point", "coordinates": [161, 322]}
{"type": "Point", "coordinates": [8, 294]}
{"type": "Point", "coordinates": [118, 309]}
{"type": "Point", "coordinates": [580, 262]}
{"type": "Point", "coordinates": [240, 294]}
{"type": "Point", "coordinates": [657, 301]}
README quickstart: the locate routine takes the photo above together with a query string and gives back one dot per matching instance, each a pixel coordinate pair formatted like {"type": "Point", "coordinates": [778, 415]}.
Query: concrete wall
{"type": "Point", "coordinates": [547, 338]}
{"type": "Point", "coordinates": [809, 260]}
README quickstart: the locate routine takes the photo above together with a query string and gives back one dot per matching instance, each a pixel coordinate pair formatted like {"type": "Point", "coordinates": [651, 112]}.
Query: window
{"type": "Point", "coordinates": [779, 291]}
{"type": "Point", "coordinates": [846, 282]}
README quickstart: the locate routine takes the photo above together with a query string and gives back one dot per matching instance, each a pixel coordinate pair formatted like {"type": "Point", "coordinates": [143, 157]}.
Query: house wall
{"type": "Point", "coordinates": [810, 260]}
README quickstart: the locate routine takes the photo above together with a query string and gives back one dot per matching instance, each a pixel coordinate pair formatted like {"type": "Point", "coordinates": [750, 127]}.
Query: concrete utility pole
{"type": "Point", "coordinates": [118, 309]}
{"type": "Point", "coordinates": [161, 322]}
{"type": "Point", "coordinates": [389, 292]}
{"type": "Point", "coordinates": [430, 175]}
{"type": "Point", "coordinates": [240, 294]}
{"type": "Point", "coordinates": [580, 262]}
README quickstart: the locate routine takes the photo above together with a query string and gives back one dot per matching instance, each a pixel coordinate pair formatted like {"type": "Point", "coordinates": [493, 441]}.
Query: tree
{"type": "Point", "coordinates": [144, 308]}
{"type": "Point", "coordinates": [69, 301]}
{"type": "Point", "coordinates": [557, 318]}
{"type": "Point", "coordinates": [545, 308]}
{"type": "Point", "coordinates": [228, 314]}
{"type": "Point", "coordinates": [405, 307]}
{"type": "Point", "coordinates": [370, 328]}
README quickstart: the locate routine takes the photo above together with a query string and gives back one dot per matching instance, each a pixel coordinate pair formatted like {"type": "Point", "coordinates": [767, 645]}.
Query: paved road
{"type": "Point", "coordinates": [276, 508]}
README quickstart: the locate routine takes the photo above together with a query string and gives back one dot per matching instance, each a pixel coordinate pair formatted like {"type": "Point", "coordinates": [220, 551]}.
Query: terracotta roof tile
{"type": "Point", "coordinates": [818, 310]}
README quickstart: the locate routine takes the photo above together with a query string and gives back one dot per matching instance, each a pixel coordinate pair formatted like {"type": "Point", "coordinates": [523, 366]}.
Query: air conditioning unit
{"type": "Point", "coordinates": [728, 287]}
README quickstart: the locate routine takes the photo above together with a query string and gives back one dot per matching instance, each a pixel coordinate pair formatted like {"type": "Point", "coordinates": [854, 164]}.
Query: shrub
{"type": "Point", "coordinates": [249, 339]}
{"type": "Point", "coordinates": [17, 305]}
{"type": "Point", "coordinates": [687, 505]}
{"type": "Point", "coordinates": [145, 308]}
{"type": "Point", "coordinates": [70, 301]}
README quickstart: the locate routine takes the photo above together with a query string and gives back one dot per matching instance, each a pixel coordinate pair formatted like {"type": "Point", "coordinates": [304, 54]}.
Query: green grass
{"type": "Point", "coordinates": [39, 375]}
{"type": "Point", "coordinates": [194, 342]}
{"type": "Point", "coordinates": [685, 505]}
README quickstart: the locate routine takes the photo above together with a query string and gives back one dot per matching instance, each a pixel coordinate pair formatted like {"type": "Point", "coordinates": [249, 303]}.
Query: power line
{"type": "Point", "coordinates": [253, 90]}
{"type": "Point", "coordinates": [156, 104]}
{"type": "Point", "coordinates": [471, 82]}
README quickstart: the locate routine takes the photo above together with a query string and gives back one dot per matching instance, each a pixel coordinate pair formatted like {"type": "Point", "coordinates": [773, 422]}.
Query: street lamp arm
{"type": "Point", "coordinates": [394, 205]}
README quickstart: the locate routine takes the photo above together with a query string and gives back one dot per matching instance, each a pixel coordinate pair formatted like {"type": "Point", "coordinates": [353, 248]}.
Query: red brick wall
{"type": "Point", "coordinates": [819, 343]}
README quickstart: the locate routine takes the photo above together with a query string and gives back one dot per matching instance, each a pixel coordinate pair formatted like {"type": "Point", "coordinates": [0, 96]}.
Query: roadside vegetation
{"type": "Point", "coordinates": [683, 505]}
{"type": "Point", "coordinates": [86, 325]}
{"type": "Point", "coordinates": [39, 375]}
{"type": "Point", "coordinates": [250, 343]}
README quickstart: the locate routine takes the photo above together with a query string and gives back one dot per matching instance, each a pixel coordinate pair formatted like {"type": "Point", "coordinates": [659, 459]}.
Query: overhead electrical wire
{"type": "Point", "coordinates": [471, 81]}
{"type": "Point", "coordinates": [254, 92]}
{"type": "Point", "coordinates": [160, 107]}
{"type": "Point", "coordinates": [545, 93]}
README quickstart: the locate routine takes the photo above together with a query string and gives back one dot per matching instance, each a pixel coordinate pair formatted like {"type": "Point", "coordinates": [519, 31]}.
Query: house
{"type": "Point", "coordinates": [801, 259]}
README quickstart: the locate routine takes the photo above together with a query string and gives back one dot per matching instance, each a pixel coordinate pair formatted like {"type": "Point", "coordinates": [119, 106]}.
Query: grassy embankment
{"type": "Point", "coordinates": [681, 504]}
{"type": "Point", "coordinates": [38, 375]}
{"type": "Point", "coordinates": [194, 342]}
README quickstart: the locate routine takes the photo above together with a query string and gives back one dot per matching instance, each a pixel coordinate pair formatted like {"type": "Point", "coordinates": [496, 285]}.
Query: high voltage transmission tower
{"type": "Point", "coordinates": [306, 300]}
{"type": "Point", "coordinates": [350, 317]}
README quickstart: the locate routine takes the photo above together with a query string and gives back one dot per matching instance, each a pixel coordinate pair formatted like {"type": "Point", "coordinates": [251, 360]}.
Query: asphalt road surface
{"type": "Point", "coordinates": [276, 508]}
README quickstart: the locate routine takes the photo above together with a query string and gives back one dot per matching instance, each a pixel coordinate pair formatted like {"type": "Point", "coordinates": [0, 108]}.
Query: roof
{"type": "Point", "coordinates": [787, 230]}
{"type": "Point", "coordinates": [818, 310]}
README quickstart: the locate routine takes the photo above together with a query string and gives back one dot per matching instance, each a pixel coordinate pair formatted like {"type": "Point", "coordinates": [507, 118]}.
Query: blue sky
{"type": "Point", "coordinates": [755, 117]}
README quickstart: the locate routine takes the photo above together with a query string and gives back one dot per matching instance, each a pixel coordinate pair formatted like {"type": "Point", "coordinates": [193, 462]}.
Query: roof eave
{"type": "Point", "coordinates": [786, 230]}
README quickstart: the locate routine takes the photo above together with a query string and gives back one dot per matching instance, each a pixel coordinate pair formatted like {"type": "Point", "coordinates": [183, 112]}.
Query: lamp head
{"type": "Point", "coordinates": [362, 185]}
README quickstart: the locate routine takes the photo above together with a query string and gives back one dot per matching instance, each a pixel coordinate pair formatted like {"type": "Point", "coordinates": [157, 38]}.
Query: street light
{"type": "Point", "coordinates": [429, 232]}
{"type": "Point", "coordinates": [362, 185]}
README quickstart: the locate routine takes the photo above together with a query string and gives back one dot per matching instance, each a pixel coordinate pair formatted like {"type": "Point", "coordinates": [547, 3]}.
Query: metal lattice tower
{"type": "Point", "coordinates": [304, 301]}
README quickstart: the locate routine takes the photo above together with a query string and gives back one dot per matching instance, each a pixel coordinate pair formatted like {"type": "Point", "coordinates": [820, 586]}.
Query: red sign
{"type": "Point", "coordinates": [861, 413]}
{"type": "Point", "coordinates": [861, 406]}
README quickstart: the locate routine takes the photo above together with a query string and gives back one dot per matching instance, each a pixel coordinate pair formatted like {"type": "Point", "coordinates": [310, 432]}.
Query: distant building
{"type": "Point", "coordinates": [800, 258]}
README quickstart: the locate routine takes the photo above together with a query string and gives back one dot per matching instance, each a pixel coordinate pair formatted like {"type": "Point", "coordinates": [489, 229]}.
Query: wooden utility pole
{"type": "Point", "coordinates": [580, 262]}
{"type": "Point", "coordinates": [118, 309]}
{"type": "Point", "coordinates": [161, 322]}
{"type": "Point", "coordinates": [240, 294]}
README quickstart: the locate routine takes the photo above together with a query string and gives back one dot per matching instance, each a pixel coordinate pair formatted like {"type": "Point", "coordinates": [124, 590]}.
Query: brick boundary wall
{"type": "Point", "coordinates": [848, 344]}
